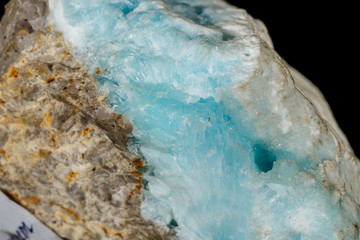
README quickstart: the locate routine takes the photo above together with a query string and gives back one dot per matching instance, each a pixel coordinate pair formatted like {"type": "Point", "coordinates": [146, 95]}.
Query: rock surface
{"type": "Point", "coordinates": [63, 152]}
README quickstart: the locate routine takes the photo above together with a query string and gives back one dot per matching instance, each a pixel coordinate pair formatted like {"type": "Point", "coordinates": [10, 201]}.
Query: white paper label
{"type": "Point", "coordinates": [16, 223]}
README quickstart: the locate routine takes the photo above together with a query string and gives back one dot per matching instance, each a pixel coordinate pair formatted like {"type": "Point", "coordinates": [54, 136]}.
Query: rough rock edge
{"type": "Point", "coordinates": [63, 151]}
{"type": "Point", "coordinates": [341, 176]}
{"type": "Point", "coordinates": [305, 86]}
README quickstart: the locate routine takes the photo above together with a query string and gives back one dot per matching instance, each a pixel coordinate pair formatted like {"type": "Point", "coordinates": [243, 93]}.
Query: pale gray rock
{"type": "Point", "coordinates": [63, 152]}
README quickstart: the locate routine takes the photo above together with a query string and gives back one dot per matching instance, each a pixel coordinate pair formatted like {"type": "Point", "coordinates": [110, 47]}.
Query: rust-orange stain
{"type": "Point", "coordinates": [71, 176]}
{"type": "Point", "coordinates": [136, 189]}
{"type": "Point", "coordinates": [30, 201]}
{"type": "Point", "coordinates": [85, 132]}
{"type": "Point", "coordinates": [50, 79]}
{"type": "Point", "coordinates": [108, 231]}
{"type": "Point", "coordinates": [68, 211]}
{"type": "Point", "coordinates": [13, 72]}
{"type": "Point", "coordinates": [138, 162]}
{"type": "Point", "coordinates": [76, 216]}
{"type": "Point", "coordinates": [98, 70]}
{"type": "Point", "coordinates": [3, 152]}
{"type": "Point", "coordinates": [27, 202]}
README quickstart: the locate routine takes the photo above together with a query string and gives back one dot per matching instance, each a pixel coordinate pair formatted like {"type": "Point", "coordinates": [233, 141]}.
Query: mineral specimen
{"type": "Point", "coordinates": [237, 144]}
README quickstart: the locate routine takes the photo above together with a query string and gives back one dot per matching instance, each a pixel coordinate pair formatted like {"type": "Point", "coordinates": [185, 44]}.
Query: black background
{"type": "Point", "coordinates": [319, 41]}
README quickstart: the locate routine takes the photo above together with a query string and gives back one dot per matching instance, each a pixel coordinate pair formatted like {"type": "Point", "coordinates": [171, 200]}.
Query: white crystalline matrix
{"type": "Point", "coordinates": [237, 144]}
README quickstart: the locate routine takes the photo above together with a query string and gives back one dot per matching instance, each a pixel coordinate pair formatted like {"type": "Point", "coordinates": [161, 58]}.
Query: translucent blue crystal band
{"type": "Point", "coordinates": [225, 158]}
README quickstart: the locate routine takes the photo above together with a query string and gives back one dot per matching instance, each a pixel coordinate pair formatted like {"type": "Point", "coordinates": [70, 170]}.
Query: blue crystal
{"type": "Point", "coordinates": [173, 68]}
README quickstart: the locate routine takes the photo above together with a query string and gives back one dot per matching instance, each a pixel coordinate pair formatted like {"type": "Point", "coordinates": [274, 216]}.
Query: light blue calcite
{"type": "Point", "coordinates": [233, 148]}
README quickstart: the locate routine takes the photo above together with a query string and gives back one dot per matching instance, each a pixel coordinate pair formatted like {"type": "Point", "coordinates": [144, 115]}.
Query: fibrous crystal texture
{"type": "Point", "coordinates": [233, 149]}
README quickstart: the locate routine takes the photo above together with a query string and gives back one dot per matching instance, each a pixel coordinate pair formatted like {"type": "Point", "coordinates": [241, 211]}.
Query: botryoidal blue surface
{"type": "Point", "coordinates": [177, 70]}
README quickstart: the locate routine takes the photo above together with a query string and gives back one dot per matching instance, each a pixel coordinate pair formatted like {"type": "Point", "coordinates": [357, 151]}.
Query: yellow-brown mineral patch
{"type": "Point", "coordinates": [65, 53]}
{"type": "Point", "coordinates": [68, 211]}
{"type": "Point", "coordinates": [50, 79]}
{"type": "Point", "coordinates": [3, 152]}
{"type": "Point", "coordinates": [71, 177]}
{"type": "Point", "coordinates": [23, 31]}
{"type": "Point", "coordinates": [47, 119]}
{"type": "Point", "coordinates": [138, 162]}
{"type": "Point", "coordinates": [11, 74]}
{"type": "Point", "coordinates": [99, 71]}
{"type": "Point", "coordinates": [85, 132]}
{"type": "Point", "coordinates": [29, 201]}
{"type": "Point", "coordinates": [108, 231]}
